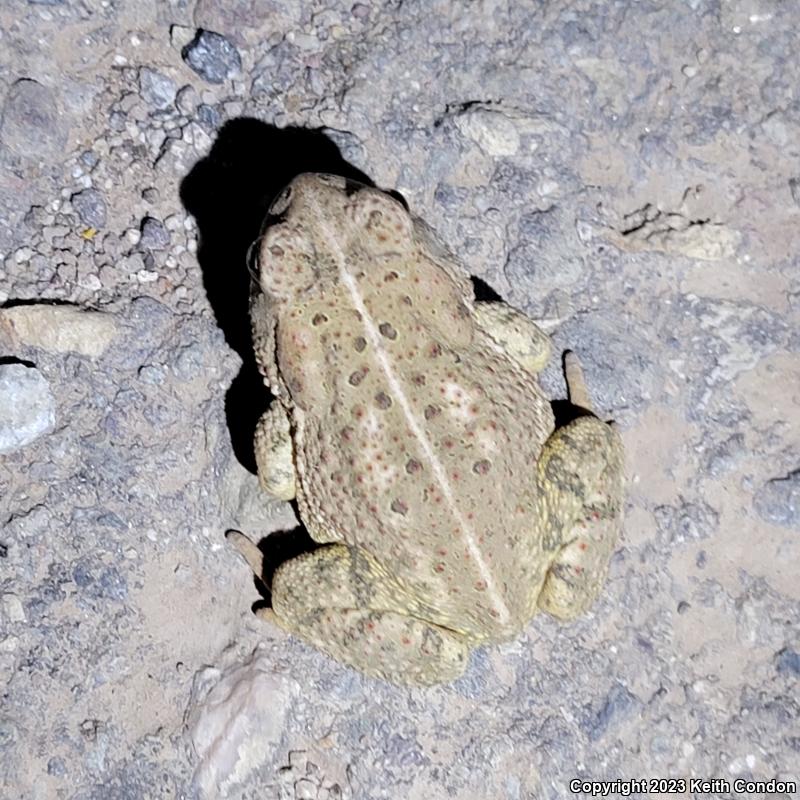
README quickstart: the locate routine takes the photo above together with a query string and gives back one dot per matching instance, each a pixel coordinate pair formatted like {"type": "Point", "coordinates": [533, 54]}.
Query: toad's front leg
{"type": "Point", "coordinates": [274, 453]}
{"type": "Point", "coordinates": [519, 335]}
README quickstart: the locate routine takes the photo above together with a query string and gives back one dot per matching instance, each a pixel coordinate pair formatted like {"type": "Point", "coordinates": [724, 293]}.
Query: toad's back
{"type": "Point", "coordinates": [416, 436]}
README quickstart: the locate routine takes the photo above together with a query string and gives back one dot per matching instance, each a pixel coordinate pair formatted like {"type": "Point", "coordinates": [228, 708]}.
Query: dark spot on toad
{"type": "Point", "coordinates": [432, 411]}
{"type": "Point", "coordinates": [356, 377]}
{"type": "Point", "coordinates": [482, 467]}
{"type": "Point", "coordinates": [360, 344]}
{"type": "Point", "coordinates": [387, 330]}
{"type": "Point", "coordinates": [383, 400]}
{"type": "Point", "coordinates": [399, 507]}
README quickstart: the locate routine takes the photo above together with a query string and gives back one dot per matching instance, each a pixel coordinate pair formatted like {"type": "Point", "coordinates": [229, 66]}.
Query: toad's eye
{"type": "Point", "coordinates": [399, 197]}
{"type": "Point", "coordinates": [281, 202]}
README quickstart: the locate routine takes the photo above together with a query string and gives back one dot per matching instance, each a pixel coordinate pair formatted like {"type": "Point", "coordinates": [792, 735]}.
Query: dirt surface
{"type": "Point", "coordinates": [628, 173]}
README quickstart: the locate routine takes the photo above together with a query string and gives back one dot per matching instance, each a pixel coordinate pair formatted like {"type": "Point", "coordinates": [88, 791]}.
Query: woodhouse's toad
{"type": "Point", "coordinates": [410, 427]}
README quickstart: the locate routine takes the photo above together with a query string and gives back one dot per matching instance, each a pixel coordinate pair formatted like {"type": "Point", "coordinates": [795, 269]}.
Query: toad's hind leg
{"type": "Point", "coordinates": [581, 479]}
{"type": "Point", "coordinates": [339, 599]}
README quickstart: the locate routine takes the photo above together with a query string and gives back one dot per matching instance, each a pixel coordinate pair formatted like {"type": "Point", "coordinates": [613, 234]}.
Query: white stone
{"type": "Point", "coordinates": [61, 329]}
{"type": "Point", "coordinates": [494, 133]}
{"type": "Point", "coordinates": [12, 608]}
{"type": "Point", "coordinates": [236, 722]}
{"type": "Point", "coordinates": [27, 407]}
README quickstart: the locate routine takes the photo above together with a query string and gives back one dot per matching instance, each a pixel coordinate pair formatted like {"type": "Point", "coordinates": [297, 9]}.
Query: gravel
{"type": "Point", "coordinates": [778, 501]}
{"type": "Point", "coordinates": [90, 206]}
{"type": "Point", "coordinates": [31, 127]}
{"type": "Point", "coordinates": [27, 406]}
{"type": "Point", "coordinates": [213, 57]}
{"type": "Point", "coordinates": [156, 88]}
{"type": "Point", "coordinates": [154, 235]}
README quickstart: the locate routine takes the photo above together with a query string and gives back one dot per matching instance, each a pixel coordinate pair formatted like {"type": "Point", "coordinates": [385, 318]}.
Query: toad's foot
{"type": "Point", "coordinates": [249, 550]}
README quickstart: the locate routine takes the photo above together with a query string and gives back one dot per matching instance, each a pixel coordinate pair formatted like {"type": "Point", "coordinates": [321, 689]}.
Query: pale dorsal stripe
{"type": "Point", "coordinates": [468, 534]}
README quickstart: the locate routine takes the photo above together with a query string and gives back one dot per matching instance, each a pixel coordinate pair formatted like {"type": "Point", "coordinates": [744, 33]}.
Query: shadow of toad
{"type": "Point", "coordinates": [228, 193]}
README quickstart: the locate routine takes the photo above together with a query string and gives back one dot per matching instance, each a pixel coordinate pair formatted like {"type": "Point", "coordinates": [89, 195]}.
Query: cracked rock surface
{"type": "Point", "coordinates": [626, 173]}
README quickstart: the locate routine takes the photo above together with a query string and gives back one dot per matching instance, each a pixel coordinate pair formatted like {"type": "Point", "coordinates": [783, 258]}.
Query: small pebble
{"type": "Point", "coordinates": [31, 125]}
{"type": "Point", "coordinates": [154, 235]}
{"type": "Point", "coordinates": [27, 406]}
{"type": "Point", "coordinates": [91, 207]}
{"type": "Point", "coordinates": [212, 56]}
{"type": "Point", "coordinates": [157, 89]}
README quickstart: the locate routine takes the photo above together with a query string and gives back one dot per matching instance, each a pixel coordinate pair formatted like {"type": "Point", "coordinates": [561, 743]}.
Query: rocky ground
{"type": "Point", "coordinates": [627, 172]}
